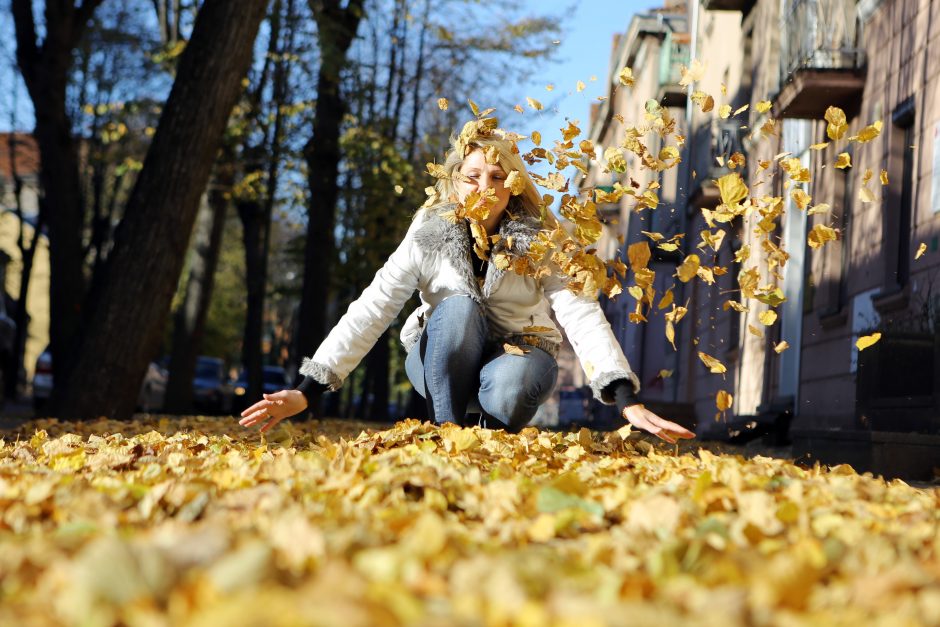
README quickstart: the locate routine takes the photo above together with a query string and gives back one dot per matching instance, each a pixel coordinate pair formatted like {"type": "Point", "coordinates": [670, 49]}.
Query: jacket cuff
{"type": "Point", "coordinates": [624, 396]}
{"type": "Point", "coordinates": [604, 391]}
{"type": "Point", "coordinates": [321, 374]}
{"type": "Point", "coordinates": [311, 389]}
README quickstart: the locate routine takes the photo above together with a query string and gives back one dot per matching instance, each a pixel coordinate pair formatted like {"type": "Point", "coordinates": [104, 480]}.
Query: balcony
{"type": "Point", "coordinates": [744, 6]}
{"type": "Point", "coordinates": [821, 61]}
{"type": "Point", "coordinates": [674, 52]}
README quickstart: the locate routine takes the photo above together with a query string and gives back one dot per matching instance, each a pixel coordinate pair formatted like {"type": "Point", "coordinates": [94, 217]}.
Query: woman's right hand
{"type": "Point", "coordinates": [274, 408]}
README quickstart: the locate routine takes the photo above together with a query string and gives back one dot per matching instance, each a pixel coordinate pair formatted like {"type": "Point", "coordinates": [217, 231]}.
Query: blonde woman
{"type": "Point", "coordinates": [472, 311]}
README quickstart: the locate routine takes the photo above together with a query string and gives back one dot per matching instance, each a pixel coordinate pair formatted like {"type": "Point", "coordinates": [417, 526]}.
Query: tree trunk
{"type": "Point", "coordinates": [189, 320]}
{"type": "Point", "coordinates": [336, 30]}
{"type": "Point", "coordinates": [45, 71]}
{"type": "Point", "coordinates": [132, 301]}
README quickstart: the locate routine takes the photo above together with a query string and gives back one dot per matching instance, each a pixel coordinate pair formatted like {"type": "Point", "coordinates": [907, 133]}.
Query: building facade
{"type": "Point", "coordinates": [777, 68]}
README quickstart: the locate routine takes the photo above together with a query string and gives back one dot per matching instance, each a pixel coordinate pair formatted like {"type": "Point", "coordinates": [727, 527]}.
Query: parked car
{"type": "Point", "coordinates": [274, 378]}
{"type": "Point", "coordinates": [211, 391]}
{"type": "Point", "coordinates": [149, 400]}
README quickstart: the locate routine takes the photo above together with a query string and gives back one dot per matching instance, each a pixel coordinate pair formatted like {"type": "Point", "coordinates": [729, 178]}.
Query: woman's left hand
{"type": "Point", "coordinates": [640, 416]}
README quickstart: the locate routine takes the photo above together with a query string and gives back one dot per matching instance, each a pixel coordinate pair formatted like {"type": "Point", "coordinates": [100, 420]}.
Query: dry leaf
{"type": "Point", "coordinates": [867, 340]}
{"type": "Point", "coordinates": [442, 104]}
{"type": "Point", "coordinates": [920, 251]}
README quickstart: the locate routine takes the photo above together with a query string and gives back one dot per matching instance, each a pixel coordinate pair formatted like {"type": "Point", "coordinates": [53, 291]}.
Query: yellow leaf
{"type": "Point", "coordinates": [868, 133]}
{"type": "Point", "coordinates": [474, 107]}
{"type": "Point", "coordinates": [705, 102]}
{"type": "Point", "coordinates": [550, 87]}
{"type": "Point", "coordinates": [867, 340]}
{"type": "Point", "coordinates": [666, 300]}
{"type": "Point", "coordinates": [664, 374]}
{"type": "Point", "coordinates": [580, 86]}
{"type": "Point", "coordinates": [689, 268]}
{"type": "Point", "coordinates": [512, 349]}
{"type": "Point", "coordinates": [537, 329]}
{"type": "Point", "coordinates": [920, 251]}
{"type": "Point", "coordinates": [626, 77]}
{"type": "Point", "coordinates": [442, 104]}
{"type": "Point", "coordinates": [714, 366]}
{"type": "Point", "coordinates": [732, 189]}
{"type": "Point", "coordinates": [691, 74]}
{"type": "Point", "coordinates": [767, 317]}
{"type": "Point", "coordinates": [820, 208]}
{"type": "Point", "coordinates": [837, 123]}
{"type": "Point", "coordinates": [536, 138]}
{"type": "Point", "coordinates": [801, 198]}
{"type": "Point", "coordinates": [865, 195]}
{"type": "Point", "coordinates": [518, 109]}
{"type": "Point", "coordinates": [515, 183]}
{"type": "Point", "coordinates": [782, 346]}
{"type": "Point", "coordinates": [723, 400]}
{"type": "Point", "coordinates": [638, 255]}
{"type": "Point", "coordinates": [820, 234]}
{"type": "Point", "coordinates": [884, 177]}
{"type": "Point", "coordinates": [399, 189]}
{"type": "Point", "coordinates": [535, 104]}
{"type": "Point", "coordinates": [755, 331]}
{"type": "Point", "coordinates": [740, 109]}
{"type": "Point", "coordinates": [763, 106]}
{"type": "Point", "coordinates": [819, 146]}
{"type": "Point", "coordinates": [724, 111]}
{"type": "Point", "coordinates": [843, 161]}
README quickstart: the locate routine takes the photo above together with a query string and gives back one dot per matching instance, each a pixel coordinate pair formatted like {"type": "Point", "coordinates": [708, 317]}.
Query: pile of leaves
{"type": "Point", "coordinates": [196, 523]}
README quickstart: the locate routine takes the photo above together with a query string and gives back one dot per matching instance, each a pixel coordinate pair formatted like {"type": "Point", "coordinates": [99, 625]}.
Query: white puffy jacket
{"type": "Point", "coordinates": [434, 258]}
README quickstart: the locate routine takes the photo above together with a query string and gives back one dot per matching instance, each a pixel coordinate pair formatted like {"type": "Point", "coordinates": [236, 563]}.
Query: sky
{"type": "Point", "coordinates": [584, 50]}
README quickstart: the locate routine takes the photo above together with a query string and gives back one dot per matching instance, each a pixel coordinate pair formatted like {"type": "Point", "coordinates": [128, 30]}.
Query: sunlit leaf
{"type": "Point", "coordinates": [867, 341]}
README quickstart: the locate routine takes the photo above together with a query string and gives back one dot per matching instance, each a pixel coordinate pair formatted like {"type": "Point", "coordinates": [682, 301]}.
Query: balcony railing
{"type": "Point", "coordinates": [821, 61]}
{"type": "Point", "coordinates": [675, 51]}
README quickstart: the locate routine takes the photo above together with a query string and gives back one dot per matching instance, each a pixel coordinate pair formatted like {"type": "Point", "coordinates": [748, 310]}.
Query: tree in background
{"type": "Point", "coordinates": [46, 66]}
{"type": "Point", "coordinates": [137, 286]}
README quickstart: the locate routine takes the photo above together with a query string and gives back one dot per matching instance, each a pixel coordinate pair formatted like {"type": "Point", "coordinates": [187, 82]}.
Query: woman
{"type": "Point", "coordinates": [483, 339]}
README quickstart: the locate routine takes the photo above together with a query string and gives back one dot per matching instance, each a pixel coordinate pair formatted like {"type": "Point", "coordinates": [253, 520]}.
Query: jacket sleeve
{"type": "Point", "coordinates": [368, 316]}
{"type": "Point", "coordinates": [592, 339]}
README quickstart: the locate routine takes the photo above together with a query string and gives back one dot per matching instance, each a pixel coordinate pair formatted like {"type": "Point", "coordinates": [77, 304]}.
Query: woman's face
{"type": "Point", "coordinates": [483, 175]}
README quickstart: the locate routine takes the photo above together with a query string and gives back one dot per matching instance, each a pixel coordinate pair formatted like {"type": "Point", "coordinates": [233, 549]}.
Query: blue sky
{"type": "Point", "coordinates": [583, 51]}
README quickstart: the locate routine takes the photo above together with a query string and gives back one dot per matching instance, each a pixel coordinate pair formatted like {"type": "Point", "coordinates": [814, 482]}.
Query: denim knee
{"type": "Point", "coordinates": [513, 400]}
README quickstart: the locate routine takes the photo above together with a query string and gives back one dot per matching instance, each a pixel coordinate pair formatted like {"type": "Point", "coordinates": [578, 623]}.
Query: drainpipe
{"type": "Point", "coordinates": [683, 214]}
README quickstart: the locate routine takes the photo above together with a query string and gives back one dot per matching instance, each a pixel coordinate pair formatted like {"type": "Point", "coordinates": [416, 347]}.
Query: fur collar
{"type": "Point", "coordinates": [440, 236]}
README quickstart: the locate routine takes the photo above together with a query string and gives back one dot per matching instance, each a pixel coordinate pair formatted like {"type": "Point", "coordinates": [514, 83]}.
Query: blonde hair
{"type": "Point", "coordinates": [529, 202]}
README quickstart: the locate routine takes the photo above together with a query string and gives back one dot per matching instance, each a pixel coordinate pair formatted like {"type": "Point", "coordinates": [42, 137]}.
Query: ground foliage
{"type": "Point", "coordinates": [193, 522]}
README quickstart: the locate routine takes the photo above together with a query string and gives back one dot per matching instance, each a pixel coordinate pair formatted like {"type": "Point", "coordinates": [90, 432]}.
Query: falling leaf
{"type": "Point", "coordinates": [705, 102]}
{"type": "Point", "coordinates": [664, 374]}
{"type": "Point", "coordinates": [767, 317]}
{"type": "Point", "coordinates": [723, 400]}
{"type": "Point", "coordinates": [755, 331]}
{"type": "Point", "coordinates": [639, 255]}
{"type": "Point", "coordinates": [868, 133]}
{"type": "Point", "coordinates": [399, 189]}
{"type": "Point", "coordinates": [626, 77]}
{"type": "Point", "coordinates": [865, 195]}
{"type": "Point", "coordinates": [691, 74]}
{"type": "Point", "coordinates": [820, 234]}
{"type": "Point", "coordinates": [714, 366]}
{"type": "Point", "coordinates": [580, 86]}
{"type": "Point", "coordinates": [550, 87]}
{"type": "Point", "coordinates": [688, 268]}
{"type": "Point", "coordinates": [781, 346]}
{"type": "Point", "coordinates": [535, 104]}
{"type": "Point", "coordinates": [732, 188]}
{"type": "Point", "coordinates": [763, 106]}
{"type": "Point", "coordinates": [844, 161]}
{"type": "Point", "coordinates": [724, 111]}
{"type": "Point", "coordinates": [866, 341]}
{"type": "Point", "coordinates": [474, 107]}
{"type": "Point", "coordinates": [920, 251]}
{"type": "Point", "coordinates": [442, 104]}
{"type": "Point", "coordinates": [819, 146]}
{"type": "Point", "coordinates": [512, 349]}
{"type": "Point", "coordinates": [515, 183]}
{"type": "Point", "coordinates": [884, 177]}
{"type": "Point", "coordinates": [740, 109]}
{"type": "Point", "coordinates": [837, 123]}
{"type": "Point", "coordinates": [518, 109]}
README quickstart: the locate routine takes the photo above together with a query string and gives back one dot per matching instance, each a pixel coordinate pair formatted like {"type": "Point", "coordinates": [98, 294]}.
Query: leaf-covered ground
{"type": "Point", "coordinates": [194, 522]}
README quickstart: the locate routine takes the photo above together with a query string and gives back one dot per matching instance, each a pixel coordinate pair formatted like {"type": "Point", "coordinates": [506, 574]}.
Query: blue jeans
{"type": "Point", "coordinates": [455, 371]}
